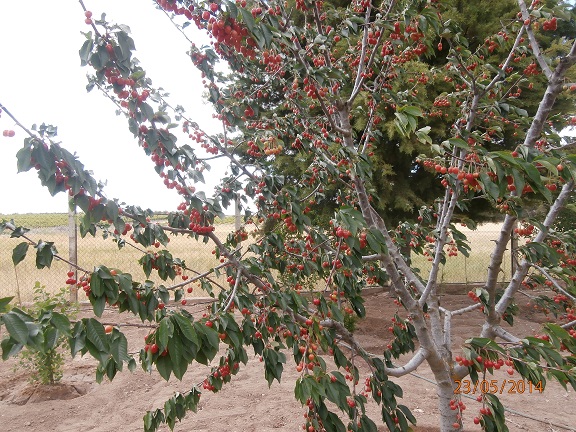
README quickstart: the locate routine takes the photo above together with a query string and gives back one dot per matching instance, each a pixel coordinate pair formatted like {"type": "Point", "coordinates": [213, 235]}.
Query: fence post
{"type": "Point", "coordinates": [73, 251]}
{"type": "Point", "coordinates": [237, 215]}
{"type": "Point", "coordinates": [513, 249]}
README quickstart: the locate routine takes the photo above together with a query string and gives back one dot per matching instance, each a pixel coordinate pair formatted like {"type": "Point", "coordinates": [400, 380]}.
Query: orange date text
{"type": "Point", "coordinates": [497, 386]}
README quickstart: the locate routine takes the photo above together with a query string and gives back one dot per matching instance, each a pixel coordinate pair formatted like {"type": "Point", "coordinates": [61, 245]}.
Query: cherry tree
{"type": "Point", "coordinates": [322, 85]}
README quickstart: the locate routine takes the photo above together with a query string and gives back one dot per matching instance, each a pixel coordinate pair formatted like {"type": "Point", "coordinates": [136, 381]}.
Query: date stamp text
{"type": "Point", "coordinates": [510, 386]}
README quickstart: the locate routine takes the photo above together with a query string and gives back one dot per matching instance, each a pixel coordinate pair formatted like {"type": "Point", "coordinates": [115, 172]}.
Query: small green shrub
{"type": "Point", "coordinates": [350, 322]}
{"type": "Point", "coordinates": [46, 360]}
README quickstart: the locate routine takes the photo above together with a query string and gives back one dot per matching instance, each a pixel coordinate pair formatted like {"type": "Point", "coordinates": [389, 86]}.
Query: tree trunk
{"type": "Point", "coordinates": [406, 252]}
{"type": "Point", "coordinates": [445, 391]}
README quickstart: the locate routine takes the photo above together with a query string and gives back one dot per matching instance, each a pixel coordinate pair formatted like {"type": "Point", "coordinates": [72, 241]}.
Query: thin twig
{"type": "Point", "coordinates": [551, 279]}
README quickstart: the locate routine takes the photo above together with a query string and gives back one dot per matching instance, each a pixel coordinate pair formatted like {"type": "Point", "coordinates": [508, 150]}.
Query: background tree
{"type": "Point", "coordinates": [313, 90]}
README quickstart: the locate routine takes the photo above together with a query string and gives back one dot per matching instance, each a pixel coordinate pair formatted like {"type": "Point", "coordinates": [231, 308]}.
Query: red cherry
{"type": "Point", "coordinates": [88, 14]}
{"type": "Point", "coordinates": [551, 187]}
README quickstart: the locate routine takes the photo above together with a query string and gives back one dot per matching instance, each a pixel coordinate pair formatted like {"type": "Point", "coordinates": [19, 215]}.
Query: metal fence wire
{"type": "Point", "coordinates": [60, 228]}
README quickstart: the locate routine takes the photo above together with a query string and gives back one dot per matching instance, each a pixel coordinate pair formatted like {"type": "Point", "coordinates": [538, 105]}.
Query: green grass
{"type": "Point", "coordinates": [37, 220]}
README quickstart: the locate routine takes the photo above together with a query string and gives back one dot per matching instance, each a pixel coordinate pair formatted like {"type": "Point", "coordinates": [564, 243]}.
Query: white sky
{"type": "Point", "coordinates": [41, 81]}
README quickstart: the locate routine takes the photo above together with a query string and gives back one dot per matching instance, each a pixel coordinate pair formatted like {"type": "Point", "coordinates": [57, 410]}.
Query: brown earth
{"type": "Point", "coordinates": [247, 404]}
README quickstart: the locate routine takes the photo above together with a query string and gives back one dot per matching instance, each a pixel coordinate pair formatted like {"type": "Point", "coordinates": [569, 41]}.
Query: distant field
{"type": "Point", "coordinates": [197, 255]}
{"type": "Point", "coordinates": [47, 220]}
{"type": "Point", "coordinates": [92, 251]}
{"type": "Point", "coordinates": [37, 220]}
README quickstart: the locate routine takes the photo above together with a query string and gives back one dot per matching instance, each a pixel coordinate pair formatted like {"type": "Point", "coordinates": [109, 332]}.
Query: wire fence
{"type": "Point", "coordinates": [19, 281]}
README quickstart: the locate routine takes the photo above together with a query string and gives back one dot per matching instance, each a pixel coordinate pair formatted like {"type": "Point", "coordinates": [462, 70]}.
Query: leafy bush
{"type": "Point", "coordinates": [46, 360]}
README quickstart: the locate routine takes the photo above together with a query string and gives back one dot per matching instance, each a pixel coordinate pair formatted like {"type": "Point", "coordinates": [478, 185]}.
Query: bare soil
{"type": "Point", "coordinates": [247, 404]}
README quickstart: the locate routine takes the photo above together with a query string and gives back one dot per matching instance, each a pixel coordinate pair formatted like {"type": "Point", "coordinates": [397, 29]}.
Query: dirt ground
{"type": "Point", "coordinates": [247, 404]}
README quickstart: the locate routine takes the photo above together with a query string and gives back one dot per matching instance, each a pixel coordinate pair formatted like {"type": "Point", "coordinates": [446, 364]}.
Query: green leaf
{"type": "Point", "coordinates": [248, 19]}
{"type": "Point", "coordinates": [98, 305]}
{"type": "Point", "coordinates": [50, 339]}
{"type": "Point", "coordinates": [126, 45]}
{"type": "Point", "coordinates": [86, 51]}
{"type": "Point", "coordinates": [176, 352]}
{"type": "Point", "coordinates": [267, 34]}
{"type": "Point", "coordinates": [367, 424]}
{"type": "Point", "coordinates": [96, 285]}
{"type": "Point", "coordinates": [489, 186]}
{"type": "Point", "coordinates": [231, 8]}
{"type": "Point", "coordinates": [45, 252]}
{"type": "Point", "coordinates": [61, 322]}
{"type": "Point", "coordinates": [132, 365]}
{"type": "Point", "coordinates": [10, 348]}
{"type": "Point", "coordinates": [211, 336]}
{"type": "Point", "coordinates": [411, 110]}
{"type": "Point", "coordinates": [407, 413]}
{"type": "Point", "coordinates": [549, 166]}
{"type": "Point", "coordinates": [165, 332]}
{"type": "Point", "coordinates": [186, 328]}
{"type": "Point", "coordinates": [16, 327]}
{"type": "Point", "coordinates": [77, 341]}
{"type": "Point", "coordinates": [147, 111]}
{"type": "Point", "coordinates": [164, 367]}
{"type": "Point", "coordinates": [96, 334]}
{"type": "Point", "coordinates": [4, 301]}
{"type": "Point", "coordinates": [558, 331]}
{"type": "Point", "coordinates": [119, 349]}
{"type": "Point", "coordinates": [19, 252]}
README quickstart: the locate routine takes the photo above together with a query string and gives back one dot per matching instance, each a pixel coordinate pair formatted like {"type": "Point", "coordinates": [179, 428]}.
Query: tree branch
{"type": "Point", "coordinates": [533, 42]}
{"type": "Point", "coordinates": [555, 85]}
{"type": "Point", "coordinates": [233, 293]}
{"type": "Point", "coordinates": [523, 268]}
{"type": "Point", "coordinates": [551, 279]}
{"type": "Point", "coordinates": [569, 324]}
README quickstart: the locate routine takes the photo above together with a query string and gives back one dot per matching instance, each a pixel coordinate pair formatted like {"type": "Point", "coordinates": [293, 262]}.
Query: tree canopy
{"type": "Point", "coordinates": [336, 118]}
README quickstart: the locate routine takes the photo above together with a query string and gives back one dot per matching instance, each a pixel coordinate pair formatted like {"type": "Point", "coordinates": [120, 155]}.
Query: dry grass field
{"type": "Point", "coordinates": [92, 251]}
{"type": "Point", "coordinates": [473, 269]}
{"type": "Point", "coordinates": [19, 281]}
